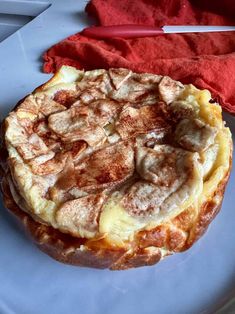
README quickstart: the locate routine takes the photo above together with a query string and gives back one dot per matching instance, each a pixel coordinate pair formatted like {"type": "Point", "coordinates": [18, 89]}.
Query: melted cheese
{"type": "Point", "coordinates": [116, 223]}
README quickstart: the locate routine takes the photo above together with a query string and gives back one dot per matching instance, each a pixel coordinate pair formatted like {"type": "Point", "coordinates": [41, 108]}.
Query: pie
{"type": "Point", "coordinates": [115, 169]}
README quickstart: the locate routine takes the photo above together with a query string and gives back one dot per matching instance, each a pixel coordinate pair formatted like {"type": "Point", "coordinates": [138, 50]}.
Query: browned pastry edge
{"type": "Point", "coordinates": [177, 235]}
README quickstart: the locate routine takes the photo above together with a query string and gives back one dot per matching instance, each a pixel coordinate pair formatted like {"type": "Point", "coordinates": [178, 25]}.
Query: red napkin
{"type": "Point", "coordinates": [206, 60]}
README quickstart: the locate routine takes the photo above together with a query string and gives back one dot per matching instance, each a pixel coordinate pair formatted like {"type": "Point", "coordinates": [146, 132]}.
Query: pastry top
{"type": "Point", "coordinates": [107, 153]}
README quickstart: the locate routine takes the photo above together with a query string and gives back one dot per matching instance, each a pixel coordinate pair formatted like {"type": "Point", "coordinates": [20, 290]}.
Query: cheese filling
{"type": "Point", "coordinates": [114, 152]}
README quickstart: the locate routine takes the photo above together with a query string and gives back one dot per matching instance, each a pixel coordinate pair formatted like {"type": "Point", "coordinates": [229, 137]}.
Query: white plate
{"type": "Point", "coordinates": [197, 281]}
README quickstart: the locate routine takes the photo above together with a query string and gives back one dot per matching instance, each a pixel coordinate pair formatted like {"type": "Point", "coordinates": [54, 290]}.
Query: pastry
{"type": "Point", "coordinates": [115, 169]}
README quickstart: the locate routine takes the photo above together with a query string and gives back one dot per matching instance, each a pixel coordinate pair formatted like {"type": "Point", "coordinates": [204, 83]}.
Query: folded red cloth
{"type": "Point", "coordinates": [206, 60]}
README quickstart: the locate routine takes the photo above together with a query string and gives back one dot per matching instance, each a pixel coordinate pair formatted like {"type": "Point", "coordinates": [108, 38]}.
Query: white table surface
{"type": "Point", "coordinates": [196, 281]}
